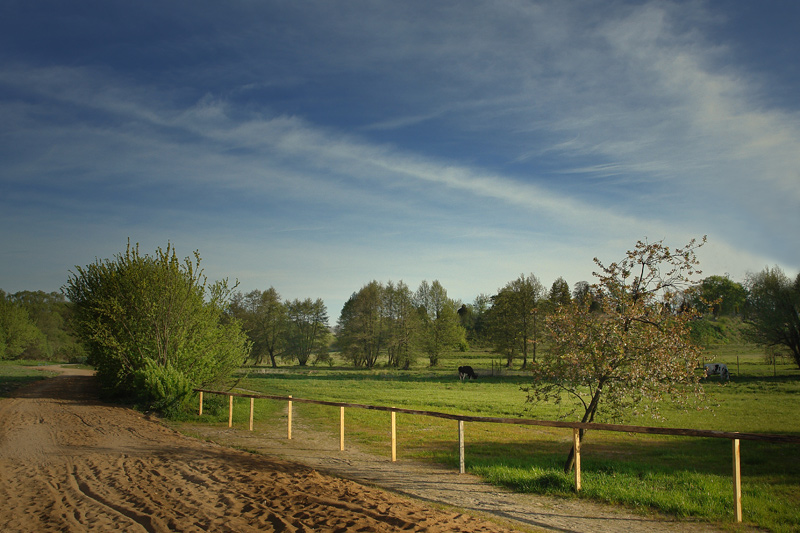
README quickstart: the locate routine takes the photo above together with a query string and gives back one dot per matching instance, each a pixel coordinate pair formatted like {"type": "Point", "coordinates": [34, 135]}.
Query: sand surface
{"type": "Point", "coordinates": [71, 463]}
{"type": "Point", "coordinates": [439, 484]}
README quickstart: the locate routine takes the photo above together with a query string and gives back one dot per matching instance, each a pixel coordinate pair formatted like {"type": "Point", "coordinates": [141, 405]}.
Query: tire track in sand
{"type": "Point", "coordinates": [71, 463]}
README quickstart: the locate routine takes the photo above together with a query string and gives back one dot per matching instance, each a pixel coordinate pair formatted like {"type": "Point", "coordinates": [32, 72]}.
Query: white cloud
{"type": "Point", "coordinates": [583, 130]}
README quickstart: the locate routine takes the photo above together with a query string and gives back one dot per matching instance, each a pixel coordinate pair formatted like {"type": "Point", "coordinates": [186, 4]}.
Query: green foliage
{"type": "Point", "coordinates": [388, 319]}
{"type": "Point", "coordinates": [773, 311]}
{"type": "Point", "coordinates": [379, 319]}
{"type": "Point", "coordinates": [475, 319]}
{"type": "Point", "coordinates": [585, 294]}
{"type": "Point", "coordinates": [440, 326]}
{"type": "Point", "coordinates": [265, 320]}
{"type": "Point", "coordinates": [364, 325]}
{"type": "Point", "coordinates": [149, 328]}
{"type": "Point", "coordinates": [516, 318]}
{"type": "Point", "coordinates": [307, 331]}
{"type": "Point", "coordinates": [161, 387]}
{"type": "Point", "coordinates": [401, 323]}
{"type": "Point", "coordinates": [18, 333]}
{"type": "Point", "coordinates": [720, 296]}
{"type": "Point", "coordinates": [559, 293]}
{"type": "Point", "coordinates": [51, 314]}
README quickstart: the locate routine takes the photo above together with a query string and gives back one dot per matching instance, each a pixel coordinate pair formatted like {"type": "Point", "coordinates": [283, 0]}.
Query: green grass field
{"type": "Point", "coordinates": [681, 476]}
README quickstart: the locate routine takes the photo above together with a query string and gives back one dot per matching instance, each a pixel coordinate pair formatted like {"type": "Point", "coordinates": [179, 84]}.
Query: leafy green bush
{"type": "Point", "coordinates": [153, 328]}
{"type": "Point", "coordinates": [162, 388]}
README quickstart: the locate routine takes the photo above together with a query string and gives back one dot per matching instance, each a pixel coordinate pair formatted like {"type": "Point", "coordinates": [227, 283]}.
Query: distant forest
{"type": "Point", "coordinates": [394, 325]}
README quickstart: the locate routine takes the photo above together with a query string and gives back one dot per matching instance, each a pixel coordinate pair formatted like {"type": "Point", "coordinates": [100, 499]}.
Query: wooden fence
{"type": "Point", "coordinates": [734, 437]}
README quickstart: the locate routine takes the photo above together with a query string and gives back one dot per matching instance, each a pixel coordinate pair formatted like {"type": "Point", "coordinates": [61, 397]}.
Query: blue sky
{"type": "Point", "coordinates": [315, 146]}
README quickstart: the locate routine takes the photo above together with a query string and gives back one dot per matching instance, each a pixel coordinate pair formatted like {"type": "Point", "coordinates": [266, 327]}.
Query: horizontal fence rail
{"type": "Point", "coordinates": [532, 422]}
{"type": "Point", "coordinates": [734, 436]}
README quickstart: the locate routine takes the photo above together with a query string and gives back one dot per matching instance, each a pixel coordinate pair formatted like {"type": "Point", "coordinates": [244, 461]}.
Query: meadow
{"type": "Point", "coordinates": [680, 476]}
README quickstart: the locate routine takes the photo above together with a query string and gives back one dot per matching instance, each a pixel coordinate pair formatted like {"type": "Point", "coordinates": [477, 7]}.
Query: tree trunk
{"type": "Point", "coordinates": [524, 352]}
{"type": "Point", "coordinates": [535, 335]}
{"type": "Point", "coordinates": [588, 417]}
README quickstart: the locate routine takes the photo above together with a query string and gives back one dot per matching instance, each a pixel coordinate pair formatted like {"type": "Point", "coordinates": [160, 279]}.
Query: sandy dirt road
{"type": "Point", "coordinates": [439, 484]}
{"type": "Point", "coordinates": [71, 463]}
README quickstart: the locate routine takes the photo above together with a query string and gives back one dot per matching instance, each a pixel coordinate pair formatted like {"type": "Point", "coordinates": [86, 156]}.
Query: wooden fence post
{"type": "Point", "coordinates": [341, 428]}
{"type": "Point", "coordinates": [737, 481]}
{"type": "Point", "coordinates": [290, 418]}
{"type": "Point", "coordinates": [252, 401]}
{"type": "Point", "coordinates": [201, 404]}
{"type": "Point", "coordinates": [230, 411]}
{"type": "Point", "coordinates": [394, 438]}
{"type": "Point", "coordinates": [576, 444]}
{"type": "Point", "coordinates": [460, 446]}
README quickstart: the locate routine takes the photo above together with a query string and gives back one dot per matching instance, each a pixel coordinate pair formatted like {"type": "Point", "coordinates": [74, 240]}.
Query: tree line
{"type": "Point", "coordinates": [391, 324]}
{"type": "Point", "coordinates": [154, 327]}
{"type": "Point", "coordinates": [37, 325]}
{"type": "Point", "coordinates": [289, 331]}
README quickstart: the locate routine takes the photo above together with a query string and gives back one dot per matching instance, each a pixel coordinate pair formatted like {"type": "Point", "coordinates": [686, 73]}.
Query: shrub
{"type": "Point", "coordinates": [153, 328]}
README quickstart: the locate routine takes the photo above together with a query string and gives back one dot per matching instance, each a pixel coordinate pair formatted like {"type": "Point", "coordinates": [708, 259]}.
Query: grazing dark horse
{"type": "Point", "coordinates": [466, 372]}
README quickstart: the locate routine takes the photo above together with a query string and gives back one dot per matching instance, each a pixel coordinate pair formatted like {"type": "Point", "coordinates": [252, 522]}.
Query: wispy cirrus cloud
{"type": "Point", "coordinates": [471, 142]}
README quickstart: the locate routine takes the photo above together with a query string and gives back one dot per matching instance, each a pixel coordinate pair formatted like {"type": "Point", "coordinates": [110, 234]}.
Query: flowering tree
{"type": "Point", "coordinates": [632, 353]}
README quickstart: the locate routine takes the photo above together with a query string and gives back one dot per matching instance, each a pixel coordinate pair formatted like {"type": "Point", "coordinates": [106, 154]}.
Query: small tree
{"type": "Point", "coordinates": [773, 310]}
{"type": "Point", "coordinates": [720, 296]}
{"type": "Point", "coordinates": [362, 327]}
{"type": "Point", "coordinates": [502, 328]}
{"type": "Point", "coordinates": [635, 351]}
{"type": "Point", "coordinates": [440, 327]}
{"type": "Point", "coordinates": [308, 329]}
{"type": "Point", "coordinates": [402, 324]}
{"type": "Point", "coordinates": [474, 318]}
{"type": "Point", "coordinates": [264, 319]}
{"type": "Point", "coordinates": [154, 328]}
{"type": "Point", "coordinates": [559, 293]}
{"type": "Point", "coordinates": [516, 318]}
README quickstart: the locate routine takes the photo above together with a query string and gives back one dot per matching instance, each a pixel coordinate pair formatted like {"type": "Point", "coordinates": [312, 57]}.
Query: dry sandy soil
{"type": "Point", "coordinates": [71, 463]}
